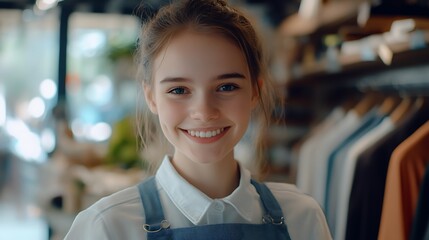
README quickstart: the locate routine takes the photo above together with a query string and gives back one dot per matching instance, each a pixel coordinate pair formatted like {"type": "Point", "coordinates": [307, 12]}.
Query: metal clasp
{"type": "Point", "coordinates": [269, 219]}
{"type": "Point", "coordinates": [163, 225]}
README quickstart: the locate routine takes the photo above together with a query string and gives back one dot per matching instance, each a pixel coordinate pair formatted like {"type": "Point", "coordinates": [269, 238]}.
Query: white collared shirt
{"type": "Point", "coordinates": [121, 215]}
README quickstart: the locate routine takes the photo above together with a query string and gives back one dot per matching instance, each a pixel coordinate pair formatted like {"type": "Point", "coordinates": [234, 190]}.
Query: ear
{"type": "Point", "coordinates": [150, 99]}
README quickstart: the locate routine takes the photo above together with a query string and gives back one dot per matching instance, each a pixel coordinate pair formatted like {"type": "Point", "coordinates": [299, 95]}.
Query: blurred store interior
{"type": "Point", "coordinates": [68, 93]}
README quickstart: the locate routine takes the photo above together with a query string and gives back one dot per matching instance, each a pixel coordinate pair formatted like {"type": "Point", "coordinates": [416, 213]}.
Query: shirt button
{"type": "Point", "coordinates": [218, 205]}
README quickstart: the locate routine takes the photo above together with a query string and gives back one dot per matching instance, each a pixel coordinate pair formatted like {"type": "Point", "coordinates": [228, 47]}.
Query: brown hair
{"type": "Point", "coordinates": [214, 16]}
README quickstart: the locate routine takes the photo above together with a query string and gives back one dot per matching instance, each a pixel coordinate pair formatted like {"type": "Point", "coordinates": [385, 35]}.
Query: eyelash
{"type": "Point", "coordinates": [183, 90]}
{"type": "Point", "coordinates": [234, 87]}
{"type": "Point", "coordinates": [174, 91]}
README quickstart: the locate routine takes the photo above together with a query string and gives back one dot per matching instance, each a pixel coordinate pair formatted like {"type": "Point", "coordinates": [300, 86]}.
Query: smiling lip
{"type": "Point", "coordinates": [206, 136]}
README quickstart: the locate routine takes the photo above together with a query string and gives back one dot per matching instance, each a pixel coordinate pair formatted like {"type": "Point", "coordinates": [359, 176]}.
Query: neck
{"type": "Point", "coordinates": [216, 180]}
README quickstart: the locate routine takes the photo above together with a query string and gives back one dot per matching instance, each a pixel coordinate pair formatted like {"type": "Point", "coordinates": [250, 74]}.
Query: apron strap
{"type": "Point", "coordinates": [151, 202]}
{"type": "Point", "coordinates": [274, 213]}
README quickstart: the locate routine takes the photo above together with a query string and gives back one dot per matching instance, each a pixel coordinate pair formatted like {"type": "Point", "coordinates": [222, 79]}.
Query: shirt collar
{"type": "Point", "coordinates": [244, 195]}
{"type": "Point", "coordinates": [193, 203]}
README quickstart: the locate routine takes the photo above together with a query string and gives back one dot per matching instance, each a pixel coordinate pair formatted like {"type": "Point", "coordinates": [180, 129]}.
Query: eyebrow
{"type": "Point", "coordinates": [230, 75]}
{"type": "Point", "coordinates": [220, 77]}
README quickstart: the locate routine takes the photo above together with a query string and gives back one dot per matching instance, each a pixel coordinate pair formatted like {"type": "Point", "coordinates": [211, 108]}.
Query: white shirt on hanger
{"type": "Point", "coordinates": [307, 150]}
{"type": "Point", "coordinates": [325, 145]}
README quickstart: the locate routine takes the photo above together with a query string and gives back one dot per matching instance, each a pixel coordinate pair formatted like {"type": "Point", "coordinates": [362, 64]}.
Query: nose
{"type": "Point", "coordinates": [204, 109]}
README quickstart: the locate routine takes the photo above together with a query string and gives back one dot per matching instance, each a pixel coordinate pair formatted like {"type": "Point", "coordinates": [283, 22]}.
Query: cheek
{"type": "Point", "coordinates": [241, 109]}
{"type": "Point", "coordinates": [169, 112]}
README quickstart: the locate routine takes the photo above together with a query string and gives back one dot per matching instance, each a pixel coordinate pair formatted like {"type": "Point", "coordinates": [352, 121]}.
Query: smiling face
{"type": "Point", "coordinates": [203, 96]}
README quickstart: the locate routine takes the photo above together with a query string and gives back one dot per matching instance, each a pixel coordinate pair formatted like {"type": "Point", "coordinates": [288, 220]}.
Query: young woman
{"type": "Point", "coordinates": [204, 78]}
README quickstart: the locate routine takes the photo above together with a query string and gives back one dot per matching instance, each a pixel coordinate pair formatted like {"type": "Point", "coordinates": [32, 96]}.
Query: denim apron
{"type": "Point", "coordinates": [158, 228]}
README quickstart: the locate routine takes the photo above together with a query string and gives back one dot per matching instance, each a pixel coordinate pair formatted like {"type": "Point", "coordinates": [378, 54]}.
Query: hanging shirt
{"type": "Point", "coordinates": [367, 192]}
{"type": "Point", "coordinates": [345, 178]}
{"type": "Point", "coordinates": [317, 172]}
{"type": "Point", "coordinates": [405, 174]}
{"type": "Point", "coordinates": [121, 215]}
{"type": "Point", "coordinates": [307, 150]}
{"type": "Point", "coordinates": [334, 165]}
{"type": "Point", "coordinates": [420, 227]}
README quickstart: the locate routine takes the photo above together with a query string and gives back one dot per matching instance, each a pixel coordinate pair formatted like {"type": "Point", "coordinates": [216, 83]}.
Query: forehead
{"type": "Point", "coordinates": [199, 54]}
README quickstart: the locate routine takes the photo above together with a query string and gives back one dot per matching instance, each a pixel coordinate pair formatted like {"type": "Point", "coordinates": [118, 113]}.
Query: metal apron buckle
{"type": "Point", "coordinates": [163, 225]}
{"type": "Point", "coordinates": [271, 220]}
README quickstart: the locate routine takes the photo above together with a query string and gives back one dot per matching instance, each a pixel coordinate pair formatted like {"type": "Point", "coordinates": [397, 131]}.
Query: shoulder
{"type": "Point", "coordinates": [114, 215]}
{"type": "Point", "coordinates": [289, 193]}
{"type": "Point", "coordinates": [301, 211]}
{"type": "Point", "coordinates": [292, 200]}
{"type": "Point", "coordinates": [123, 199]}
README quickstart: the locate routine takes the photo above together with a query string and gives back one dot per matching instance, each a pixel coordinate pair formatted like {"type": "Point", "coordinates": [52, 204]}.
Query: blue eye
{"type": "Point", "coordinates": [227, 88]}
{"type": "Point", "coordinates": [178, 91]}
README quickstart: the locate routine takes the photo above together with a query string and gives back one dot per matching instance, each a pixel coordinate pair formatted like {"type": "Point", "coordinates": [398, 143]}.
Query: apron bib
{"type": "Point", "coordinates": [158, 228]}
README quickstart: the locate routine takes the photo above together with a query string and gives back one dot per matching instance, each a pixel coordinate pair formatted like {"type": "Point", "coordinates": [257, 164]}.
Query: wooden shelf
{"type": "Point", "coordinates": [352, 68]}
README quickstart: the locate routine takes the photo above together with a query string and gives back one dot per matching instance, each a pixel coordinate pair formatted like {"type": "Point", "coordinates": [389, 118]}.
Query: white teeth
{"type": "Point", "coordinates": [207, 134]}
